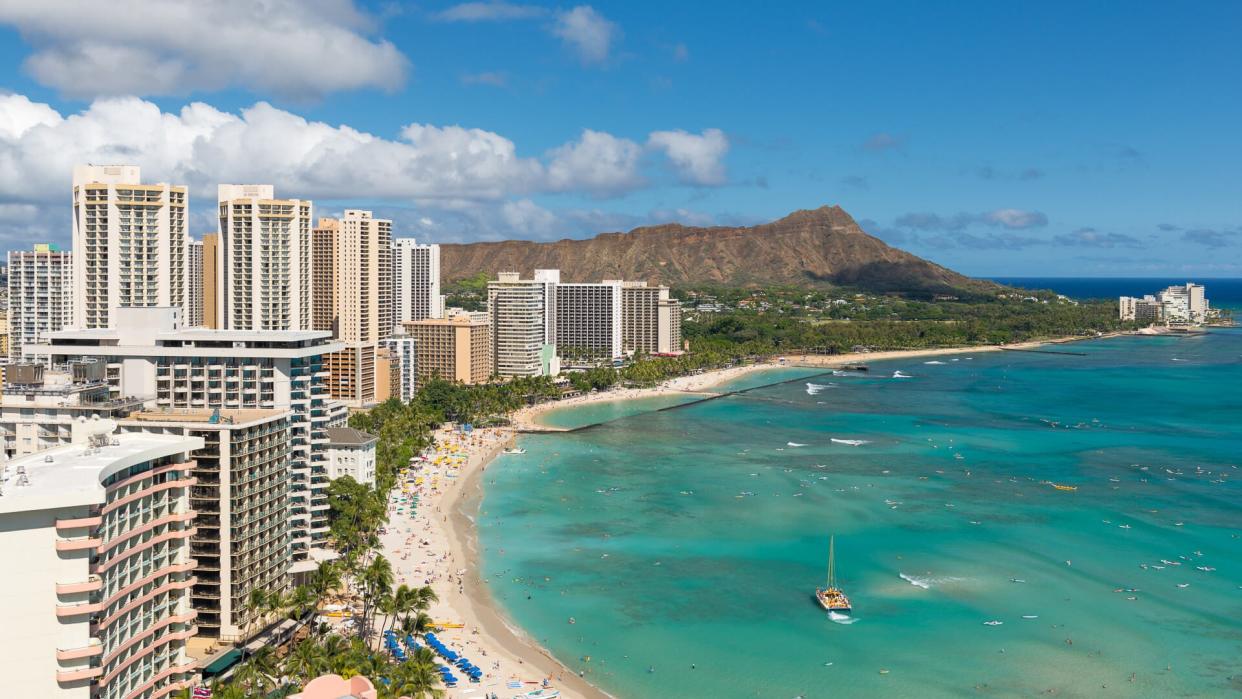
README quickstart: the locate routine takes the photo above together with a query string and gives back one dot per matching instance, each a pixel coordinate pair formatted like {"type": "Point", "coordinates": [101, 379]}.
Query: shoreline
{"type": "Point", "coordinates": [528, 419]}
{"type": "Point", "coordinates": [444, 521]}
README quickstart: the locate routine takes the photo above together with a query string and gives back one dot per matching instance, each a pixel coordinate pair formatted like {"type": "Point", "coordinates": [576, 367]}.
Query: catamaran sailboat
{"type": "Point", "coordinates": [832, 598]}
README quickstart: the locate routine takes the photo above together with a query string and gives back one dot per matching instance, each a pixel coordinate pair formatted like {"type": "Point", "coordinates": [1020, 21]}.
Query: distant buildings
{"type": "Point", "coordinates": [1175, 305]}
{"type": "Point", "coordinates": [264, 277]}
{"type": "Point", "coordinates": [523, 318]}
{"type": "Point", "coordinates": [129, 242]}
{"type": "Point", "coordinates": [41, 295]}
{"type": "Point", "coordinates": [457, 347]}
{"type": "Point", "coordinates": [96, 536]}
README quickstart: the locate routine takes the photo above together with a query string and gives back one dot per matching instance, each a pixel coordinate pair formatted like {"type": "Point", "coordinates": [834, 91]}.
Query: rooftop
{"type": "Point", "coordinates": [227, 418]}
{"type": "Point", "coordinates": [73, 475]}
{"type": "Point", "coordinates": [348, 435]}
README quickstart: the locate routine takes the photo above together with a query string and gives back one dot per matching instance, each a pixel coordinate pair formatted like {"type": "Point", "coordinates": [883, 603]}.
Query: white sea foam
{"type": "Point", "coordinates": [841, 618]}
{"type": "Point", "coordinates": [927, 582]}
{"type": "Point", "coordinates": [794, 444]}
{"type": "Point", "coordinates": [813, 389]}
{"type": "Point", "coordinates": [898, 375]}
{"type": "Point", "coordinates": [933, 362]}
{"type": "Point", "coordinates": [850, 442]}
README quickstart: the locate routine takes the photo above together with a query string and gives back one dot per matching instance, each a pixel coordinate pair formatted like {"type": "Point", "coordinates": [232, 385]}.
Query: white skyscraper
{"type": "Point", "coordinates": [523, 315]}
{"type": "Point", "coordinates": [264, 279]}
{"type": "Point", "coordinates": [416, 280]}
{"type": "Point", "coordinates": [40, 290]}
{"type": "Point", "coordinates": [130, 243]}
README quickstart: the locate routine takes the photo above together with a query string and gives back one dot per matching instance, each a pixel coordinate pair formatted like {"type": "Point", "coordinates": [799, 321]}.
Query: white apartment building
{"type": "Point", "coordinates": [651, 319]}
{"type": "Point", "coordinates": [40, 295]}
{"type": "Point", "coordinates": [42, 409]}
{"type": "Point", "coordinates": [1184, 305]}
{"type": "Point", "coordinates": [129, 243]}
{"type": "Point", "coordinates": [95, 538]}
{"type": "Point", "coordinates": [351, 453]}
{"type": "Point", "coordinates": [194, 298]}
{"type": "Point", "coordinates": [152, 355]}
{"type": "Point", "coordinates": [404, 349]}
{"type": "Point", "coordinates": [241, 497]}
{"type": "Point", "coordinates": [264, 278]}
{"type": "Point", "coordinates": [523, 320]}
{"type": "Point", "coordinates": [416, 280]}
{"type": "Point", "coordinates": [588, 322]}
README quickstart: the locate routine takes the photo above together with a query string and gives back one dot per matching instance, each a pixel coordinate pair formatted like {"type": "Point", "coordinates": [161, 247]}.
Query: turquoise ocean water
{"type": "Point", "coordinates": [686, 543]}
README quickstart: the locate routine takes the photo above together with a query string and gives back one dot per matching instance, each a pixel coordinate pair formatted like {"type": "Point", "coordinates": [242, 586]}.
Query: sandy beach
{"type": "Point", "coordinates": [438, 546]}
{"type": "Point", "coordinates": [435, 542]}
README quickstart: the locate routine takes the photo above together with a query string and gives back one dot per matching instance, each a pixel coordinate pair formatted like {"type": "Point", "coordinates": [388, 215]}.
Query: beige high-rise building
{"type": "Point", "coordinates": [40, 294]}
{"type": "Point", "coordinates": [457, 347]}
{"type": "Point", "coordinates": [323, 274]}
{"type": "Point", "coordinates": [650, 319]}
{"type": "Point", "coordinates": [241, 538]}
{"type": "Point", "coordinates": [361, 294]}
{"type": "Point", "coordinates": [211, 267]}
{"type": "Point", "coordinates": [264, 280]}
{"type": "Point", "coordinates": [129, 242]}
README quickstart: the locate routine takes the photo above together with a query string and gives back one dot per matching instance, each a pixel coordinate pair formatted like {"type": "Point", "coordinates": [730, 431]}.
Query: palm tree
{"type": "Point", "coordinates": [376, 580]}
{"type": "Point", "coordinates": [306, 661]}
{"type": "Point", "coordinates": [255, 604]}
{"type": "Point", "coordinates": [417, 677]}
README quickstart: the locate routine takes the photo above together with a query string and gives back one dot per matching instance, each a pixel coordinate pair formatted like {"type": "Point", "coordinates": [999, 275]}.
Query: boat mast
{"type": "Point", "coordinates": [831, 555]}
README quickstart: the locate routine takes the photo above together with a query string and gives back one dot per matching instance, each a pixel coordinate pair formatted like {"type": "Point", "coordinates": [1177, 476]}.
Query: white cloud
{"type": "Point", "coordinates": [588, 33]}
{"type": "Point", "coordinates": [493, 78]}
{"type": "Point", "coordinates": [200, 146]}
{"type": "Point", "coordinates": [160, 47]}
{"type": "Point", "coordinates": [598, 162]}
{"type": "Point", "coordinates": [1015, 218]}
{"type": "Point", "coordinates": [698, 158]}
{"type": "Point", "coordinates": [488, 12]}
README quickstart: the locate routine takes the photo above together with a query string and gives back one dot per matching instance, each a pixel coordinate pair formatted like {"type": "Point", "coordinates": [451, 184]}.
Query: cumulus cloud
{"type": "Point", "coordinates": [451, 168]}
{"type": "Point", "coordinates": [1091, 238]}
{"type": "Point", "coordinates": [488, 12]}
{"type": "Point", "coordinates": [587, 33]}
{"type": "Point", "coordinates": [1015, 219]}
{"type": "Point", "coordinates": [598, 162]}
{"type": "Point", "coordinates": [148, 47]}
{"type": "Point", "coordinates": [698, 158]}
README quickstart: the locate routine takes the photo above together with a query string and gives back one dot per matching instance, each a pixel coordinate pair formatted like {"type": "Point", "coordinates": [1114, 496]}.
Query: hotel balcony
{"type": "Point", "coordinates": [71, 610]}
{"type": "Point", "coordinates": [91, 584]}
{"type": "Point", "coordinates": [90, 650]}
{"type": "Point", "coordinates": [79, 544]}
{"type": "Point", "coordinates": [86, 673]}
{"type": "Point", "coordinates": [79, 522]}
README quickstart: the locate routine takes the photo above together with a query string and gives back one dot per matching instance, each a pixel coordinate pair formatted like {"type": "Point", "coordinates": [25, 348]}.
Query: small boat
{"type": "Point", "coordinates": [1030, 616]}
{"type": "Point", "coordinates": [515, 451]}
{"type": "Point", "coordinates": [1069, 488]}
{"type": "Point", "coordinates": [832, 598]}
{"type": "Point", "coordinates": [1183, 585]}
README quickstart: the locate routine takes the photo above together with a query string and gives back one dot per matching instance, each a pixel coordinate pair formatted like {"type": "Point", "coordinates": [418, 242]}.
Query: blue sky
{"type": "Point", "coordinates": [996, 138]}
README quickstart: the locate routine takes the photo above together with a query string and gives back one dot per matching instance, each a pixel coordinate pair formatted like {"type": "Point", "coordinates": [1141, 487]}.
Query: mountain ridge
{"type": "Point", "coordinates": [823, 246]}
